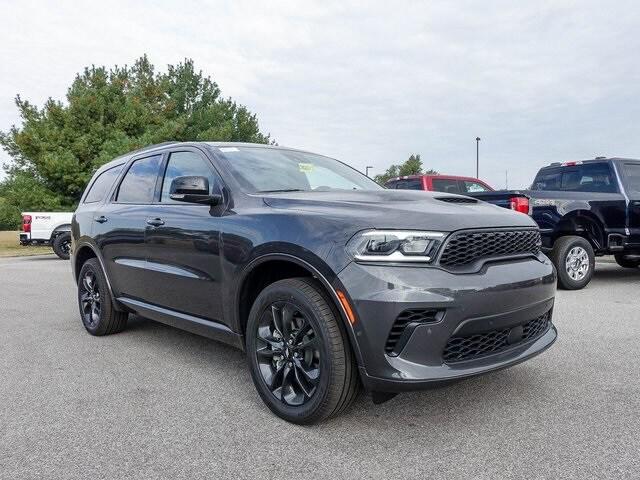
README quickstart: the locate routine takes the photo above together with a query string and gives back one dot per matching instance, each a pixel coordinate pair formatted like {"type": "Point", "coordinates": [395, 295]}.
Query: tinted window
{"type": "Point", "coordinates": [102, 185]}
{"type": "Point", "coordinates": [471, 187]}
{"type": "Point", "coordinates": [260, 169]}
{"type": "Point", "coordinates": [184, 164]}
{"type": "Point", "coordinates": [391, 185]}
{"type": "Point", "coordinates": [590, 177]}
{"type": "Point", "coordinates": [547, 180]}
{"type": "Point", "coordinates": [632, 176]}
{"type": "Point", "coordinates": [139, 184]}
{"type": "Point", "coordinates": [446, 185]}
{"type": "Point", "coordinates": [413, 184]}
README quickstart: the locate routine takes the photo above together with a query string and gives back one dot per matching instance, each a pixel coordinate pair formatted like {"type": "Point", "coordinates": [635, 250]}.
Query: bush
{"type": "Point", "coordinates": [10, 217]}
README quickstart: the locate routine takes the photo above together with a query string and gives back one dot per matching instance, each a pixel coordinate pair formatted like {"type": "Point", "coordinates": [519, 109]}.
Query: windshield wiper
{"type": "Point", "coordinates": [282, 190]}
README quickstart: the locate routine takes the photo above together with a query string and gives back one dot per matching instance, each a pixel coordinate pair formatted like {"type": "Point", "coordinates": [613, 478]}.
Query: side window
{"type": "Point", "coordinates": [413, 184]}
{"type": "Point", "coordinates": [632, 177]}
{"type": "Point", "coordinates": [446, 185]}
{"type": "Point", "coordinates": [185, 164]}
{"type": "Point", "coordinates": [391, 185]}
{"type": "Point", "coordinates": [102, 185]}
{"type": "Point", "coordinates": [596, 177]}
{"type": "Point", "coordinates": [139, 183]}
{"type": "Point", "coordinates": [472, 187]}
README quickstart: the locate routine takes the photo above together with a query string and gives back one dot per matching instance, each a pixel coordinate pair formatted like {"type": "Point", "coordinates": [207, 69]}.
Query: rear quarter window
{"type": "Point", "coordinates": [139, 183]}
{"type": "Point", "coordinates": [102, 185]}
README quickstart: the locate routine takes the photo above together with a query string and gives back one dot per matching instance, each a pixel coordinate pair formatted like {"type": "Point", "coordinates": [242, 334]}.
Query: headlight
{"type": "Point", "coordinates": [395, 246]}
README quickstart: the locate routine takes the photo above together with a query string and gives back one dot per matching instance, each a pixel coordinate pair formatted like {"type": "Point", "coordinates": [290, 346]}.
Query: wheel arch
{"type": "Point", "coordinates": [583, 223]}
{"type": "Point", "coordinates": [62, 228]}
{"type": "Point", "coordinates": [83, 252]}
{"type": "Point", "coordinates": [279, 267]}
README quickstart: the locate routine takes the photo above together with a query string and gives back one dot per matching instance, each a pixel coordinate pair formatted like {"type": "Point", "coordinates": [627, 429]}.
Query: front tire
{"type": "Point", "coordinates": [62, 245]}
{"type": "Point", "coordinates": [97, 310]}
{"type": "Point", "coordinates": [299, 354]}
{"type": "Point", "coordinates": [626, 262]}
{"type": "Point", "coordinates": [574, 260]}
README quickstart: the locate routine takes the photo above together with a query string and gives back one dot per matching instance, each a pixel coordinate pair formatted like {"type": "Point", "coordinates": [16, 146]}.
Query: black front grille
{"type": "Point", "coordinates": [457, 199]}
{"type": "Point", "coordinates": [465, 248]}
{"type": "Point", "coordinates": [494, 341]}
{"type": "Point", "coordinates": [406, 321]}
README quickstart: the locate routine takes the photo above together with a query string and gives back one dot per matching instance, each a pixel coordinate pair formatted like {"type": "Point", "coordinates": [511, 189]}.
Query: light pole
{"type": "Point", "coordinates": [477, 157]}
{"type": "Point", "coordinates": [367, 170]}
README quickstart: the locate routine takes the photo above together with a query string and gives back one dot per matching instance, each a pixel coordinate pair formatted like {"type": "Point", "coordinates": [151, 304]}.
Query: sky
{"type": "Point", "coordinates": [369, 82]}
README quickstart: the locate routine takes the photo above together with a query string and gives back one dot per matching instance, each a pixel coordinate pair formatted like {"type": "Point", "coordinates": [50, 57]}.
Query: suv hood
{"type": "Point", "coordinates": [401, 209]}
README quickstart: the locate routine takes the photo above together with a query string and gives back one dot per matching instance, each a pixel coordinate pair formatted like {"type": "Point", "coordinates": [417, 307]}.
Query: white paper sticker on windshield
{"type": "Point", "coordinates": [305, 167]}
{"type": "Point", "coordinates": [229, 149]}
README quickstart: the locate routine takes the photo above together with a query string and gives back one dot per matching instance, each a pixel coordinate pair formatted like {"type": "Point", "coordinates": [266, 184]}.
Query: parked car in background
{"type": "Point", "coordinates": [48, 228]}
{"type": "Point", "coordinates": [327, 280]}
{"type": "Point", "coordinates": [438, 183]}
{"type": "Point", "coordinates": [584, 209]}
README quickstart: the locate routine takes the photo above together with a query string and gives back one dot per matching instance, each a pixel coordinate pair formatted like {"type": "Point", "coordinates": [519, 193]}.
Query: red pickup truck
{"type": "Point", "coordinates": [515, 200]}
{"type": "Point", "coordinates": [439, 183]}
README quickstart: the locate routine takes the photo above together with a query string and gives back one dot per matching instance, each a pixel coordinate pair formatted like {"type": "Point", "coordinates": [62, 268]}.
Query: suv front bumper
{"type": "Point", "coordinates": [501, 298]}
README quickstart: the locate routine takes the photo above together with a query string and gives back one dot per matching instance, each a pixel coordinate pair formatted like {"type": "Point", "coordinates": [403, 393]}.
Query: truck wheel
{"type": "Point", "coordinates": [97, 311]}
{"type": "Point", "coordinates": [62, 245]}
{"type": "Point", "coordinates": [627, 262]}
{"type": "Point", "coordinates": [574, 260]}
{"type": "Point", "coordinates": [299, 354]}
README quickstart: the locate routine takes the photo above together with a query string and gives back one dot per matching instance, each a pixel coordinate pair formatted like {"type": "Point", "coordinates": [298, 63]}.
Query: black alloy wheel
{"type": "Point", "coordinates": [90, 301]}
{"type": "Point", "coordinates": [97, 310]}
{"type": "Point", "coordinates": [288, 353]}
{"type": "Point", "coordinates": [299, 353]}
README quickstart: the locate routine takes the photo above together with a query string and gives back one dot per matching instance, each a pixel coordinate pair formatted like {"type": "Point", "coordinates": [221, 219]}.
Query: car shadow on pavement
{"type": "Point", "coordinates": [464, 399]}
{"type": "Point", "coordinates": [614, 272]}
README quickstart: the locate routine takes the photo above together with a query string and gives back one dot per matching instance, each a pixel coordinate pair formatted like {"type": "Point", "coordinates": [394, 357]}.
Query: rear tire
{"type": "Point", "coordinates": [299, 354]}
{"type": "Point", "coordinates": [627, 262]}
{"type": "Point", "coordinates": [62, 245]}
{"type": "Point", "coordinates": [97, 310]}
{"type": "Point", "coordinates": [574, 260]}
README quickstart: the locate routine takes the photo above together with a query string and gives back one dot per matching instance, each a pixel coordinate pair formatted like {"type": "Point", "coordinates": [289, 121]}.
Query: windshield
{"type": "Point", "coordinates": [261, 170]}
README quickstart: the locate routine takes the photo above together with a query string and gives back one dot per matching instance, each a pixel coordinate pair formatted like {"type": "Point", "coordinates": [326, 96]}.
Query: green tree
{"type": "Point", "coordinates": [9, 215]}
{"type": "Point", "coordinates": [412, 166]}
{"type": "Point", "coordinates": [109, 112]}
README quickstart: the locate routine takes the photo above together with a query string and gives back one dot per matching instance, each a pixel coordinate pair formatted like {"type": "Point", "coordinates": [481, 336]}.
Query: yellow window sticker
{"type": "Point", "coordinates": [305, 167]}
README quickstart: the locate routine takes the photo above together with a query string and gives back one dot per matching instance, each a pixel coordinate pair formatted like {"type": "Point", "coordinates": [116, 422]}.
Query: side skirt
{"type": "Point", "coordinates": [183, 321]}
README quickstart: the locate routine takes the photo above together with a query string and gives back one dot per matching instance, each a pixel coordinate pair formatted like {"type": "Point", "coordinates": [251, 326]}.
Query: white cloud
{"type": "Point", "coordinates": [369, 83]}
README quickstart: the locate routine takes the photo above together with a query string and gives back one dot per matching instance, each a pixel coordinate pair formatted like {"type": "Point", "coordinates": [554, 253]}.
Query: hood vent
{"type": "Point", "coordinates": [457, 199]}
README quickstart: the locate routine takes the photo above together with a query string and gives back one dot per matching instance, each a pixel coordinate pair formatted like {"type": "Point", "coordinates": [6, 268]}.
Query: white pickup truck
{"type": "Point", "coordinates": [48, 228]}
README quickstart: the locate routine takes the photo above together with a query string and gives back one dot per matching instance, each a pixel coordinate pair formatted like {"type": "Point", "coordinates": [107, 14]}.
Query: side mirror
{"type": "Point", "coordinates": [192, 190]}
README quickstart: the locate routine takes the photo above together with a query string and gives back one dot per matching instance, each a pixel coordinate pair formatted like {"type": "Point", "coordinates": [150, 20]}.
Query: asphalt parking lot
{"type": "Point", "coordinates": [156, 402]}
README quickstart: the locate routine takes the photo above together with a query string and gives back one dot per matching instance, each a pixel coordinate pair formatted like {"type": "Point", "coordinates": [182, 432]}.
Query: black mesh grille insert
{"type": "Point", "coordinates": [457, 199]}
{"type": "Point", "coordinates": [414, 316]}
{"type": "Point", "coordinates": [464, 248]}
{"type": "Point", "coordinates": [494, 341]}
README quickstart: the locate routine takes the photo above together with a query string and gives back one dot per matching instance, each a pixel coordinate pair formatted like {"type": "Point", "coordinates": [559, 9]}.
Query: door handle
{"type": "Point", "coordinates": [101, 219]}
{"type": "Point", "coordinates": [155, 222]}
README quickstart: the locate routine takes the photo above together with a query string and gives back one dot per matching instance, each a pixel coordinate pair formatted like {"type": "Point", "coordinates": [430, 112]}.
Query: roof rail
{"type": "Point", "coordinates": [155, 145]}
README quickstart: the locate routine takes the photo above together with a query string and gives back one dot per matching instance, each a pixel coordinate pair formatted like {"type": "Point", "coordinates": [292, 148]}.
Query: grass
{"type": "Point", "coordinates": [10, 246]}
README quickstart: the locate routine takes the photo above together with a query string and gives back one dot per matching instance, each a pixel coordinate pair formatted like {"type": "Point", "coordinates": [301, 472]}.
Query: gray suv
{"type": "Point", "coordinates": [328, 281]}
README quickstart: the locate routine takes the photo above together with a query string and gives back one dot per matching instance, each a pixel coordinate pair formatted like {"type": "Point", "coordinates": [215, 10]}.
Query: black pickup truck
{"type": "Point", "coordinates": [584, 209]}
